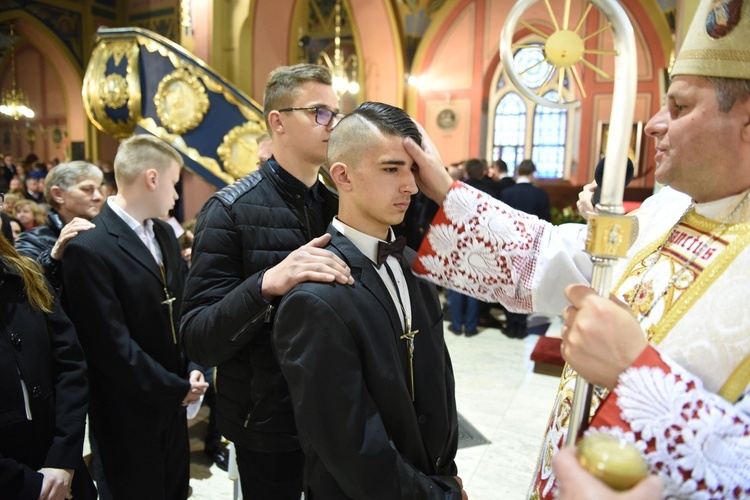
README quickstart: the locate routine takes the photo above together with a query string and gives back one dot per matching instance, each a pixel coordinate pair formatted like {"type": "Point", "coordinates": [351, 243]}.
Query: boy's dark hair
{"type": "Point", "coordinates": [350, 137]}
{"type": "Point", "coordinates": [475, 169]}
{"type": "Point", "coordinates": [390, 120]}
{"type": "Point", "coordinates": [526, 167]}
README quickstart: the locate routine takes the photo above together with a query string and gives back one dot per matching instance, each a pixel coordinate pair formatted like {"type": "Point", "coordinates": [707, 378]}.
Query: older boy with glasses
{"type": "Point", "coordinates": [254, 241]}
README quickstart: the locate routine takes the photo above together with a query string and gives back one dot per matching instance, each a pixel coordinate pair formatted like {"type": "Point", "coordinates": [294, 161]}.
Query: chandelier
{"type": "Point", "coordinates": [344, 71]}
{"type": "Point", "coordinates": [15, 102]}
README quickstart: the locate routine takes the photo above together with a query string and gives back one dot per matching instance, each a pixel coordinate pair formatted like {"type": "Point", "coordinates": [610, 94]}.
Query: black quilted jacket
{"type": "Point", "coordinates": [37, 243]}
{"type": "Point", "coordinates": [241, 231]}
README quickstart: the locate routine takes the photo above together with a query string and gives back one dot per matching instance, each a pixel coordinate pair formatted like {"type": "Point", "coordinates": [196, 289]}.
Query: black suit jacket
{"type": "Point", "coordinates": [504, 182]}
{"type": "Point", "coordinates": [485, 184]}
{"type": "Point", "coordinates": [528, 198]}
{"type": "Point", "coordinates": [42, 350]}
{"type": "Point", "coordinates": [349, 378]}
{"type": "Point", "coordinates": [114, 292]}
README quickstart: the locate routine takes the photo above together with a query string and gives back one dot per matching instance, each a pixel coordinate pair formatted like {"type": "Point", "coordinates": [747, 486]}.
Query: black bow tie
{"type": "Point", "coordinates": [395, 248]}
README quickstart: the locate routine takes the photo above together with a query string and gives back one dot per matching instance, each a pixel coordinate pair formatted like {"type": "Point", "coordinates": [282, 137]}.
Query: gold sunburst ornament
{"type": "Point", "coordinates": [563, 49]}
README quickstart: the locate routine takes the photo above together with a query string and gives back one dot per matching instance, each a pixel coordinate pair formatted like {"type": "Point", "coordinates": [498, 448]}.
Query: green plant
{"type": "Point", "coordinates": [566, 215]}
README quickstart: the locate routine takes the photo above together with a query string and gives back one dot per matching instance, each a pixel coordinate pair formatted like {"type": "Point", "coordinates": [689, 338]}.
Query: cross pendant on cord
{"type": "Point", "coordinates": [168, 302]}
{"type": "Point", "coordinates": [409, 337]}
{"type": "Point", "coordinates": [168, 299]}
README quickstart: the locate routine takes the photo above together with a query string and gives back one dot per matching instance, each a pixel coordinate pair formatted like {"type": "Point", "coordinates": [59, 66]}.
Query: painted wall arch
{"type": "Point", "coordinates": [54, 76]}
{"type": "Point", "coordinates": [468, 31]}
{"type": "Point", "coordinates": [271, 37]}
{"type": "Point", "coordinates": [379, 42]}
{"type": "Point", "coordinates": [378, 46]}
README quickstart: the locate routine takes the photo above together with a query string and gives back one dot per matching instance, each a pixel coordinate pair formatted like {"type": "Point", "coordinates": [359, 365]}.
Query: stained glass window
{"type": "Point", "coordinates": [548, 146]}
{"type": "Point", "coordinates": [521, 128]}
{"type": "Point", "coordinates": [531, 66]}
{"type": "Point", "coordinates": [510, 130]}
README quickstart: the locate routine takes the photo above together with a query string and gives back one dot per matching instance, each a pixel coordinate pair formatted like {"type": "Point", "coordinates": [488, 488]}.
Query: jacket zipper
{"type": "Point", "coordinates": [265, 314]}
{"type": "Point", "coordinates": [307, 222]}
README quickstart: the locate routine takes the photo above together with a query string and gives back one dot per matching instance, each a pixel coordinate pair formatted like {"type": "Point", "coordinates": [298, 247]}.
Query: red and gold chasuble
{"type": "Point", "coordinates": [674, 285]}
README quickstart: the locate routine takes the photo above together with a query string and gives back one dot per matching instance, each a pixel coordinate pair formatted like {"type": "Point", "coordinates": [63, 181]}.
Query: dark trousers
{"type": "Point", "coordinates": [464, 312]}
{"type": "Point", "coordinates": [516, 324]}
{"type": "Point", "coordinates": [270, 476]}
{"type": "Point", "coordinates": [144, 462]}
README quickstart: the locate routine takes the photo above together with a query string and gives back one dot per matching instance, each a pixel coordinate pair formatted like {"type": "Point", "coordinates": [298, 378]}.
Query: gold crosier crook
{"type": "Point", "coordinates": [608, 229]}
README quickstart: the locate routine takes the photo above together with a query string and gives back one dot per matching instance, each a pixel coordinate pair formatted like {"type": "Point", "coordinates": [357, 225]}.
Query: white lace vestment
{"type": "Point", "coordinates": [481, 247]}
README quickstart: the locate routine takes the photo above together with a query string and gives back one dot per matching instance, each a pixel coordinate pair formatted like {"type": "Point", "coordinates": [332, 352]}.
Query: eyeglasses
{"type": "Point", "coordinates": [323, 116]}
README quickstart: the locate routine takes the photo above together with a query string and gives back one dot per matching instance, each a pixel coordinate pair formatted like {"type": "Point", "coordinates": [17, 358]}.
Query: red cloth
{"type": "Point", "coordinates": [547, 350]}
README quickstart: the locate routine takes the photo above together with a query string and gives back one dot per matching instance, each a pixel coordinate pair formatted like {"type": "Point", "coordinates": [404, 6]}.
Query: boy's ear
{"type": "Point", "coordinates": [150, 178]}
{"type": "Point", "coordinates": [746, 125]}
{"type": "Point", "coordinates": [274, 121]}
{"type": "Point", "coordinates": [340, 174]}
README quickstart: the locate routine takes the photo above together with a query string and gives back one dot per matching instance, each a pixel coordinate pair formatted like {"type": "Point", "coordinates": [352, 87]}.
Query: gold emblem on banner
{"type": "Point", "coordinates": [181, 101]}
{"type": "Point", "coordinates": [104, 91]}
{"type": "Point", "coordinates": [114, 92]}
{"type": "Point", "coordinates": [239, 151]}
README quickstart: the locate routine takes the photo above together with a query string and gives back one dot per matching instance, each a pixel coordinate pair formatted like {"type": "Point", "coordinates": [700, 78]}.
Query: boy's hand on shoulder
{"type": "Point", "coordinates": [310, 262]}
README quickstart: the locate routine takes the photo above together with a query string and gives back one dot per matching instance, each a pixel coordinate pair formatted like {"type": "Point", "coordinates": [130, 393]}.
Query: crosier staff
{"type": "Point", "coordinates": [609, 230]}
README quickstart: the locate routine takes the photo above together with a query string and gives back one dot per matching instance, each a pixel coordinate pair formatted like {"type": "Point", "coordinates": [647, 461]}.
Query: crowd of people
{"type": "Point", "coordinates": [25, 185]}
{"type": "Point", "coordinates": [332, 376]}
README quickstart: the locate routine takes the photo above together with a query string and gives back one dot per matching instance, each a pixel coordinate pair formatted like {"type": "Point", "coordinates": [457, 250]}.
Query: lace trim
{"type": "Point", "coordinates": [491, 261]}
{"type": "Point", "coordinates": [697, 442]}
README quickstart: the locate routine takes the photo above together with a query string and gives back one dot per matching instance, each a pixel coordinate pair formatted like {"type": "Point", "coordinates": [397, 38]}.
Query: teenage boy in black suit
{"type": "Point", "coordinates": [367, 368]}
{"type": "Point", "coordinates": [123, 283]}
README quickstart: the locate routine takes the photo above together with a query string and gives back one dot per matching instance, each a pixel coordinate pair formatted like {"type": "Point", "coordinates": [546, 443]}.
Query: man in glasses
{"type": "Point", "coordinates": [254, 241]}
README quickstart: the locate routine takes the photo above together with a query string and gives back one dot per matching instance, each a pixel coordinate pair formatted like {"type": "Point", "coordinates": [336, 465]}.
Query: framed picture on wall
{"type": "Point", "coordinates": [447, 119]}
{"type": "Point", "coordinates": [634, 149]}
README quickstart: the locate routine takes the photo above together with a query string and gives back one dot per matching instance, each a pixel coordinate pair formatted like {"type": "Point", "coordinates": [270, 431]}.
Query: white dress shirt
{"type": "Point", "coordinates": [144, 232]}
{"type": "Point", "coordinates": [368, 245]}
